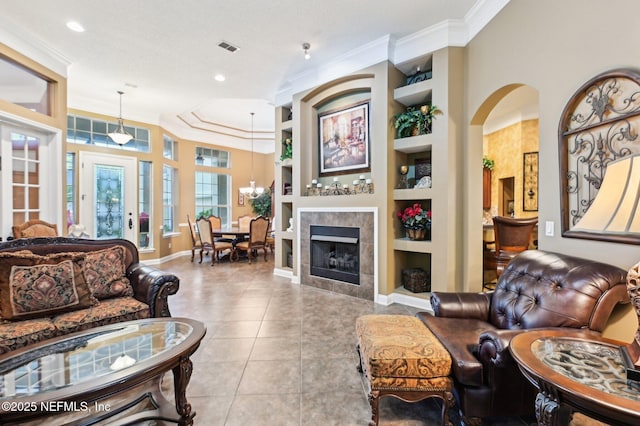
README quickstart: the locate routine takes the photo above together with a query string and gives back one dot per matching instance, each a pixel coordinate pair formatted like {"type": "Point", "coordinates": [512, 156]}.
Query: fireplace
{"type": "Point", "coordinates": [335, 253]}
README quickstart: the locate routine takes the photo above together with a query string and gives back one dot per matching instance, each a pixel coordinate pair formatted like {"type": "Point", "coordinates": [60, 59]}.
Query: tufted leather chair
{"type": "Point", "coordinates": [537, 289]}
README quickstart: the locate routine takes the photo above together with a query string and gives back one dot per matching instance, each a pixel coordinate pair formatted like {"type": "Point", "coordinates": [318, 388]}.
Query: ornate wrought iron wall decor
{"type": "Point", "coordinates": [600, 124]}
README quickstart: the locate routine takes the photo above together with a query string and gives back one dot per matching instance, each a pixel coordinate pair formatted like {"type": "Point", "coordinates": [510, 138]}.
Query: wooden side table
{"type": "Point", "coordinates": [576, 370]}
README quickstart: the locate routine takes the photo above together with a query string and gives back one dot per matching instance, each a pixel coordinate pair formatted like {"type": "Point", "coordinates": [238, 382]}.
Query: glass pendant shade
{"type": "Point", "coordinates": [120, 135]}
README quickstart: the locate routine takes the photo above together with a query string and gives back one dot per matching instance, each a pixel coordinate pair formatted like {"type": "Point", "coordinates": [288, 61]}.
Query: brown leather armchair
{"type": "Point", "coordinates": [536, 290]}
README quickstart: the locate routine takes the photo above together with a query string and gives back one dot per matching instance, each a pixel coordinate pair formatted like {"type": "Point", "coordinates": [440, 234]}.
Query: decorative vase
{"type": "Point", "coordinates": [417, 234]}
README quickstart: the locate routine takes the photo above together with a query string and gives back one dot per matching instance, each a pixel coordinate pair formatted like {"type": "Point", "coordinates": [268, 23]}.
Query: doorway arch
{"type": "Point", "coordinates": [502, 113]}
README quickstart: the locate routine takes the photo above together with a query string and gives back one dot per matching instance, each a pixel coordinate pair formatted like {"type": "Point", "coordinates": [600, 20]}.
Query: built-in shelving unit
{"type": "Point", "coordinates": [285, 186]}
{"type": "Point", "coordinates": [433, 255]}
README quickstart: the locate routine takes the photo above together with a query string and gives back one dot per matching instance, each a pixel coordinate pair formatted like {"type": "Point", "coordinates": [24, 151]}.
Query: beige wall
{"type": "Point", "coordinates": [551, 46]}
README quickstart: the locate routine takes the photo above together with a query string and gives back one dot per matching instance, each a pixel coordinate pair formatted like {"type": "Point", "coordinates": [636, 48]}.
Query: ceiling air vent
{"type": "Point", "coordinates": [227, 46]}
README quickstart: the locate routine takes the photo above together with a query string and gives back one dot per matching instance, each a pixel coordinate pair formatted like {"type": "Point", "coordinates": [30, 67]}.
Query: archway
{"type": "Point", "coordinates": [504, 129]}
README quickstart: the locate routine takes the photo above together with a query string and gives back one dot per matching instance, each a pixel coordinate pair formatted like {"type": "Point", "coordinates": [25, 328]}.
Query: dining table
{"type": "Point", "coordinates": [236, 231]}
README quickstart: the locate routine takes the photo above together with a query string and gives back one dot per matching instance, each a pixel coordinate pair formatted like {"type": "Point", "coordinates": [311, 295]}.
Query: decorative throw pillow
{"type": "Point", "coordinates": [105, 273]}
{"type": "Point", "coordinates": [31, 287]}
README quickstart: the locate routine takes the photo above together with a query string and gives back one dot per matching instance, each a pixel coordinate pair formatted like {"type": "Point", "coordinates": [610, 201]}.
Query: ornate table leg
{"type": "Point", "coordinates": [547, 410]}
{"type": "Point", "coordinates": [181, 376]}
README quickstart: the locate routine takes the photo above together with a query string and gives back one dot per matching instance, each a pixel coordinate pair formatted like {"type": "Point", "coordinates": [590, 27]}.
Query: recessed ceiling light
{"type": "Point", "coordinates": [75, 26]}
{"type": "Point", "coordinates": [220, 77]}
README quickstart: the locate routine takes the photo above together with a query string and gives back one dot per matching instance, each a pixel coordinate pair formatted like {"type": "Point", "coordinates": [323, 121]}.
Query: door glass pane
{"type": "Point", "coordinates": [18, 198]}
{"type": "Point", "coordinates": [109, 218]}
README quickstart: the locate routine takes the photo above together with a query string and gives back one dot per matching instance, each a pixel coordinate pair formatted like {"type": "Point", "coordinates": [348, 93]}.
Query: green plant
{"type": "Point", "coordinates": [487, 163]}
{"type": "Point", "coordinates": [406, 122]}
{"type": "Point", "coordinates": [262, 204]}
{"type": "Point", "coordinates": [287, 149]}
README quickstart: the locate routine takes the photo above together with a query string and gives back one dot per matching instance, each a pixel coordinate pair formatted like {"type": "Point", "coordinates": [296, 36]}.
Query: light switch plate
{"type": "Point", "coordinates": [549, 228]}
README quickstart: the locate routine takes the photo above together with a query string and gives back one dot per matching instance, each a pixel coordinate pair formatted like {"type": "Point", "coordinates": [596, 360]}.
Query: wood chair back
{"type": "Point", "coordinates": [244, 221]}
{"type": "Point", "coordinates": [204, 232]}
{"type": "Point", "coordinates": [215, 221]}
{"type": "Point", "coordinates": [513, 235]}
{"type": "Point", "coordinates": [258, 229]}
{"type": "Point", "coordinates": [35, 228]}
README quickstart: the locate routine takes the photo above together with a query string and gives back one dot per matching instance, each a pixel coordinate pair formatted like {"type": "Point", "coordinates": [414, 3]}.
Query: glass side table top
{"type": "Point", "coordinates": [90, 356]}
{"type": "Point", "coordinates": [596, 365]}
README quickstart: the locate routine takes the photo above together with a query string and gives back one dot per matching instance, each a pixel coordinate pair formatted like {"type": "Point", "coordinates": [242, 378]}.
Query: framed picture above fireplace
{"type": "Point", "coordinates": [343, 140]}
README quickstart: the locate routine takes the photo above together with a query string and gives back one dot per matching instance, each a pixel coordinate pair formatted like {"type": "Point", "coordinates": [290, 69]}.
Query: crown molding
{"type": "Point", "coordinates": [449, 33]}
{"type": "Point", "coordinates": [33, 48]}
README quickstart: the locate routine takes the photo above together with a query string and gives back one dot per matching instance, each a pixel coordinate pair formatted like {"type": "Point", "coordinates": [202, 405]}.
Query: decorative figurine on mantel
{"type": "Point", "coordinates": [290, 228]}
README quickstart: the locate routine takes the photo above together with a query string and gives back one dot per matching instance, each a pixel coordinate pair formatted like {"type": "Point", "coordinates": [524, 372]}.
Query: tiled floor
{"type": "Point", "coordinates": [278, 353]}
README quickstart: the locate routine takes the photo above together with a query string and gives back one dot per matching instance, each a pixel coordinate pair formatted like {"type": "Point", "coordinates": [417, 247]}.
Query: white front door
{"type": "Point", "coordinates": [108, 190]}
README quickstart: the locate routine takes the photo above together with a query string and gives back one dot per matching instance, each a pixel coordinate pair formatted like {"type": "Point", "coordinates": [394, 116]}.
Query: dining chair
{"type": "Point", "coordinates": [216, 223]}
{"type": "Point", "coordinates": [205, 236]}
{"type": "Point", "coordinates": [244, 221]}
{"type": "Point", "coordinates": [271, 236]}
{"type": "Point", "coordinates": [258, 228]}
{"type": "Point", "coordinates": [511, 236]}
{"type": "Point", "coordinates": [218, 245]}
{"type": "Point", "coordinates": [35, 228]}
{"type": "Point", "coordinates": [195, 240]}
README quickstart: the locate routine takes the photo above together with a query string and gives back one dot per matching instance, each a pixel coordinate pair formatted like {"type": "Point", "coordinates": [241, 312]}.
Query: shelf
{"type": "Point", "coordinates": [287, 126]}
{"type": "Point", "coordinates": [414, 144]}
{"type": "Point", "coordinates": [412, 194]}
{"type": "Point", "coordinates": [285, 235]}
{"type": "Point", "coordinates": [286, 199]}
{"type": "Point", "coordinates": [405, 244]}
{"type": "Point", "coordinates": [414, 94]}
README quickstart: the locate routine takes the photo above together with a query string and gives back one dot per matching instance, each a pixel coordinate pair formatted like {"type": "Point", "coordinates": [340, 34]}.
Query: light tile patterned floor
{"type": "Point", "coordinates": [278, 353]}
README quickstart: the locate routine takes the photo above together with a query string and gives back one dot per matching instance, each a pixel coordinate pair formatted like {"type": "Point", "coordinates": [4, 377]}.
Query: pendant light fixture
{"type": "Point", "coordinates": [252, 191]}
{"type": "Point", "coordinates": [119, 135]}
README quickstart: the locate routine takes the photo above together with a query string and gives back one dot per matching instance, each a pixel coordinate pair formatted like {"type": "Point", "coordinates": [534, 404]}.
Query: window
{"type": "Point", "coordinates": [169, 148]}
{"type": "Point", "coordinates": [144, 204]}
{"type": "Point", "coordinates": [212, 195]}
{"type": "Point", "coordinates": [169, 198]}
{"type": "Point", "coordinates": [71, 189]}
{"type": "Point", "coordinates": [91, 131]}
{"type": "Point", "coordinates": [24, 87]}
{"type": "Point", "coordinates": [212, 157]}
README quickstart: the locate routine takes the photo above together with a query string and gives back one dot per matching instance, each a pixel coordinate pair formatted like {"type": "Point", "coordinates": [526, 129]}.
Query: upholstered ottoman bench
{"type": "Point", "coordinates": [401, 358]}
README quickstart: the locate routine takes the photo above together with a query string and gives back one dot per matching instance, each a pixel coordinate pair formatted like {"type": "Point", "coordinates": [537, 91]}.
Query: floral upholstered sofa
{"type": "Point", "coordinates": [56, 285]}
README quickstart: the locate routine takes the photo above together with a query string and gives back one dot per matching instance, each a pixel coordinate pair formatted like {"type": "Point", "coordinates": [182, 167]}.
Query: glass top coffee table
{"type": "Point", "coordinates": [578, 369]}
{"type": "Point", "coordinates": [110, 372]}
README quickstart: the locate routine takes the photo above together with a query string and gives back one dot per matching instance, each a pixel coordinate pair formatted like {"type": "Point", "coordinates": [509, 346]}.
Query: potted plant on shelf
{"type": "Point", "coordinates": [487, 163]}
{"type": "Point", "coordinates": [417, 221]}
{"type": "Point", "coordinates": [414, 121]}
{"type": "Point", "coordinates": [287, 151]}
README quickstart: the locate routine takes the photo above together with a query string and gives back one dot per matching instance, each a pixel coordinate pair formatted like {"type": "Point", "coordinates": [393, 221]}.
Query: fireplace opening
{"type": "Point", "coordinates": [335, 253]}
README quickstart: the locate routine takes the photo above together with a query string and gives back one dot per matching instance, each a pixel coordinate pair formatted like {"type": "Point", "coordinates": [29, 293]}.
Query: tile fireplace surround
{"type": "Point", "coordinates": [365, 219]}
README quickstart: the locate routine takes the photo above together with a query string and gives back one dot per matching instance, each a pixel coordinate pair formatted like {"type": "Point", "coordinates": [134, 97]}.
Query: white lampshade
{"type": "Point", "coordinates": [614, 211]}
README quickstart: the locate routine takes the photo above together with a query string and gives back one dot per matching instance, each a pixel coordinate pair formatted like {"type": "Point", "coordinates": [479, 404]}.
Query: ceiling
{"type": "Point", "coordinates": [164, 55]}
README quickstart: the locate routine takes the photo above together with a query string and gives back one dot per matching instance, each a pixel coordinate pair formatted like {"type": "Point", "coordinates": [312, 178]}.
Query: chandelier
{"type": "Point", "coordinates": [252, 191]}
